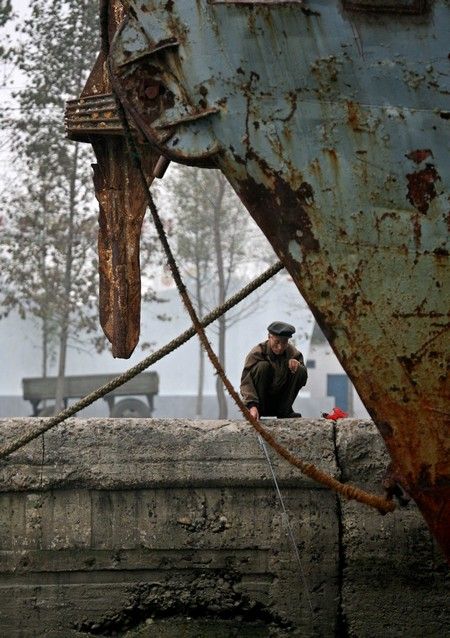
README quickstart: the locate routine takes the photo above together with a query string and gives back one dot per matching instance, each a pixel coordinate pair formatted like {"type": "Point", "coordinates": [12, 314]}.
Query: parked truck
{"type": "Point", "coordinates": [39, 390]}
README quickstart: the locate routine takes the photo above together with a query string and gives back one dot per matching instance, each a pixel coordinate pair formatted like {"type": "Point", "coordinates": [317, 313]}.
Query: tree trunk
{"type": "Point", "coordinates": [65, 316]}
{"type": "Point", "coordinates": [59, 398]}
{"type": "Point", "coordinates": [200, 382]}
{"type": "Point", "coordinates": [43, 268]}
{"type": "Point", "coordinates": [44, 346]}
{"type": "Point", "coordinates": [201, 353]}
{"type": "Point", "coordinates": [220, 391]}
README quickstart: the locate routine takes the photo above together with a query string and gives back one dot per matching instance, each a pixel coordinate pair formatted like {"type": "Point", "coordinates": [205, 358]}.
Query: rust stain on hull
{"type": "Point", "coordinates": [422, 187]}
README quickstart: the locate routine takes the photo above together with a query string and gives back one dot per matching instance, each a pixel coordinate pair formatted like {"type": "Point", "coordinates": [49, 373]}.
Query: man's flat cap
{"type": "Point", "coordinates": [281, 329]}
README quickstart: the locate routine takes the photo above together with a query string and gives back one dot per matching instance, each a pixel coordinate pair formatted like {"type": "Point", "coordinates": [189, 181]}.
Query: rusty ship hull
{"type": "Point", "coordinates": [331, 121]}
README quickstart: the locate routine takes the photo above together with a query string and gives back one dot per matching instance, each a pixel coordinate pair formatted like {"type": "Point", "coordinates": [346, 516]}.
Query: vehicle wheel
{"type": "Point", "coordinates": [47, 411]}
{"type": "Point", "coordinates": [130, 408]}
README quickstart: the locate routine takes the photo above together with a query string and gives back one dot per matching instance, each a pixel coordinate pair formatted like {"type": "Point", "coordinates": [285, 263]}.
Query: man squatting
{"type": "Point", "coordinates": [274, 372]}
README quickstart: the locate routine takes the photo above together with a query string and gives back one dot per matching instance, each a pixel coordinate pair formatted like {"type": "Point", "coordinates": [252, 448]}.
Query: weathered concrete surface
{"type": "Point", "coordinates": [394, 582]}
{"type": "Point", "coordinates": [131, 527]}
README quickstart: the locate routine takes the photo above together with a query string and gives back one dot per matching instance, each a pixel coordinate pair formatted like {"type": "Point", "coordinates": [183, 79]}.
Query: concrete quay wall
{"type": "Point", "coordinates": [145, 527]}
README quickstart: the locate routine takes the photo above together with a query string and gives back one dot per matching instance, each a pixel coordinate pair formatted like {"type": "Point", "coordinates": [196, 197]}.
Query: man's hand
{"type": "Point", "coordinates": [254, 412]}
{"type": "Point", "coordinates": [293, 365]}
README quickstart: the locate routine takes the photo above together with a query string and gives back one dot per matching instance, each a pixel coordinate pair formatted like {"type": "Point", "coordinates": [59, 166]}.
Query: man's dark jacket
{"type": "Point", "coordinates": [279, 363]}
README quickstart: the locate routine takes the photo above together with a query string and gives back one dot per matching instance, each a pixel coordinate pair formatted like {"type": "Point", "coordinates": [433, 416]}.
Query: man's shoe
{"type": "Point", "coordinates": [293, 415]}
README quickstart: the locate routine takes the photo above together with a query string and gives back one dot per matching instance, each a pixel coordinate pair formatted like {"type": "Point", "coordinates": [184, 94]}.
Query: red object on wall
{"type": "Point", "coordinates": [335, 414]}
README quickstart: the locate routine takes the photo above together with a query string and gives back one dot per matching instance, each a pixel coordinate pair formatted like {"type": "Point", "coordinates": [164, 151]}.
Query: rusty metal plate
{"type": "Point", "coordinates": [415, 7]}
{"type": "Point", "coordinates": [92, 115]}
{"type": "Point", "coordinates": [279, 2]}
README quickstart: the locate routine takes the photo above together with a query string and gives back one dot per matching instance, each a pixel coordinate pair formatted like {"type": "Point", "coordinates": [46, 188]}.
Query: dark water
{"type": "Point", "coordinates": [183, 628]}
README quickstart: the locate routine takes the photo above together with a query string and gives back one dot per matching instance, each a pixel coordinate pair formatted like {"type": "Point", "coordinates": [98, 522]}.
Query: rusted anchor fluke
{"type": "Point", "coordinates": [94, 118]}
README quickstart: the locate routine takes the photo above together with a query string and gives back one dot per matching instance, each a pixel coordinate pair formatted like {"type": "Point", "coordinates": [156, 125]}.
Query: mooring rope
{"type": "Point", "coordinates": [142, 365]}
{"type": "Point", "coordinates": [309, 469]}
{"type": "Point", "coordinates": [349, 491]}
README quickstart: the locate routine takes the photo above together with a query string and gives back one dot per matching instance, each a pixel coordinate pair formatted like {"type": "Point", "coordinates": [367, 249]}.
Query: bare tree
{"type": "Point", "coordinates": [48, 260]}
